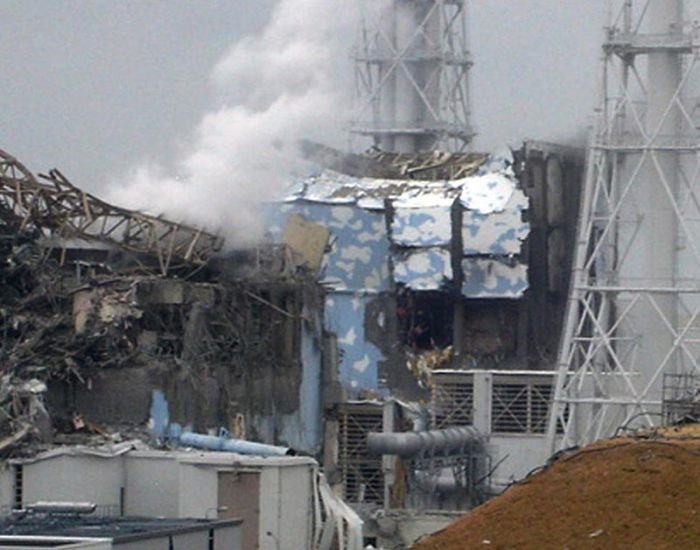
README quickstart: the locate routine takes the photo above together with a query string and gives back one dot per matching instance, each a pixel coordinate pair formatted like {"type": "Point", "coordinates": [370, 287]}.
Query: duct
{"type": "Point", "coordinates": [410, 444]}
{"type": "Point", "coordinates": [445, 483]}
{"type": "Point", "coordinates": [223, 443]}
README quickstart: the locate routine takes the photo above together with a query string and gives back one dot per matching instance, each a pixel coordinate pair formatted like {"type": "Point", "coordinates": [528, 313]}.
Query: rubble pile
{"type": "Point", "coordinates": [89, 289]}
{"type": "Point", "coordinates": [628, 492]}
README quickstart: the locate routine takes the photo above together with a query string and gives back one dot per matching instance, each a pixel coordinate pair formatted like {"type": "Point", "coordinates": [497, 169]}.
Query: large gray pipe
{"type": "Point", "coordinates": [410, 444]}
{"type": "Point", "coordinates": [223, 443]}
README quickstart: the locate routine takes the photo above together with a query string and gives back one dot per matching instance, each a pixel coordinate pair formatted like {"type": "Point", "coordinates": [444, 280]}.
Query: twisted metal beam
{"type": "Point", "coordinates": [59, 209]}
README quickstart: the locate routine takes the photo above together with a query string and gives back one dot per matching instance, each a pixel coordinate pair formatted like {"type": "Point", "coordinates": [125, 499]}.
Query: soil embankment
{"type": "Point", "coordinates": [627, 492]}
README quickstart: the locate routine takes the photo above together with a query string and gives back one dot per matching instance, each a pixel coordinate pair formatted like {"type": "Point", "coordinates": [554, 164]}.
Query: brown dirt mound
{"type": "Point", "coordinates": [626, 492]}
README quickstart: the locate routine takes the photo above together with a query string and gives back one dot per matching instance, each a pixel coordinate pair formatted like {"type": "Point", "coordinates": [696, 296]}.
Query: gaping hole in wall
{"type": "Point", "coordinates": [490, 333]}
{"type": "Point", "coordinates": [275, 319]}
{"type": "Point", "coordinates": [424, 319]}
{"type": "Point", "coordinates": [161, 330]}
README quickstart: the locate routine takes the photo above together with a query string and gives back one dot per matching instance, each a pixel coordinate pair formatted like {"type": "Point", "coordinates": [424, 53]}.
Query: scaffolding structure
{"type": "Point", "coordinates": [412, 76]}
{"type": "Point", "coordinates": [634, 309]}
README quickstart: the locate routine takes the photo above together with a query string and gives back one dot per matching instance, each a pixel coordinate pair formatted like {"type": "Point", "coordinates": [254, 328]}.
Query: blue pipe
{"type": "Point", "coordinates": [223, 443]}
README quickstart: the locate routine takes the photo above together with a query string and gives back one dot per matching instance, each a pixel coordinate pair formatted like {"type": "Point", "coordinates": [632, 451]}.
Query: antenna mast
{"type": "Point", "coordinates": [412, 76]}
{"type": "Point", "coordinates": [634, 309]}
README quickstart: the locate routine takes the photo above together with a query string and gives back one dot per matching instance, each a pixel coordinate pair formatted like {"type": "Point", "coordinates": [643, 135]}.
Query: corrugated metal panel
{"type": "Point", "coordinates": [423, 269]}
{"type": "Point", "coordinates": [431, 226]}
{"type": "Point", "coordinates": [486, 278]}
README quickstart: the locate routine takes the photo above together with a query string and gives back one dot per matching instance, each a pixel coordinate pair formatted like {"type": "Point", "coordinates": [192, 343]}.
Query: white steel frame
{"type": "Point", "coordinates": [432, 60]}
{"type": "Point", "coordinates": [602, 381]}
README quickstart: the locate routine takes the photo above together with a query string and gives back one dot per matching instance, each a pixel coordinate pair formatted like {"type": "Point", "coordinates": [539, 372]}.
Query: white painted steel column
{"type": "Point", "coordinates": [652, 260]}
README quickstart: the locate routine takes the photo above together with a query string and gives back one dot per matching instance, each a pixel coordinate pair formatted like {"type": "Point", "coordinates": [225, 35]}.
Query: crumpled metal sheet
{"type": "Point", "coordinates": [423, 269]}
{"type": "Point", "coordinates": [487, 193]}
{"type": "Point", "coordinates": [352, 209]}
{"type": "Point", "coordinates": [416, 227]}
{"type": "Point", "coordinates": [498, 233]}
{"type": "Point", "coordinates": [492, 278]}
{"type": "Point", "coordinates": [359, 245]}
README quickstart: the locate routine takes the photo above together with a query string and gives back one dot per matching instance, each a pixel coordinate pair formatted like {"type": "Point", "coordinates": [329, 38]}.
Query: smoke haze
{"type": "Point", "coordinates": [109, 92]}
{"type": "Point", "coordinates": [275, 88]}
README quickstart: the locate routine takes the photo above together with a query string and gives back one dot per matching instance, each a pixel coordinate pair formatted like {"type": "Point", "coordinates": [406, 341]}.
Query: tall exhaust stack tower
{"type": "Point", "coordinates": [633, 321]}
{"type": "Point", "coordinates": [412, 76]}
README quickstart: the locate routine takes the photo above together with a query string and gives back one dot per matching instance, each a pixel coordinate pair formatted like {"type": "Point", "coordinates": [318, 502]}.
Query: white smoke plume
{"type": "Point", "coordinates": [289, 82]}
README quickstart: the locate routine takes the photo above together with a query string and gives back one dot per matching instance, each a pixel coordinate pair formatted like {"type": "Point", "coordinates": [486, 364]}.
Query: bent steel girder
{"type": "Point", "coordinates": [61, 210]}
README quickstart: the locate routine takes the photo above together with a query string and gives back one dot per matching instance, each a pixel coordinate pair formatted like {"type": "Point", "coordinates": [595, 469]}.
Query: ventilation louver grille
{"type": "Point", "coordinates": [453, 402]}
{"type": "Point", "coordinates": [363, 480]}
{"type": "Point", "coordinates": [520, 408]}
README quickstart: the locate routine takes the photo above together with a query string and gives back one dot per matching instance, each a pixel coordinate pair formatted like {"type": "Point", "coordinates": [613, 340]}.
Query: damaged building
{"type": "Point", "coordinates": [395, 293]}
{"type": "Point", "coordinates": [107, 311]}
{"type": "Point", "coordinates": [445, 280]}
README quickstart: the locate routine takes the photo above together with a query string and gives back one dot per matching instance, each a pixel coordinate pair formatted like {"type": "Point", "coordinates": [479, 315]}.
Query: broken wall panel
{"type": "Point", "coordinates": [422, 227]}
{"type": "Point", "coordinates": [359, 359]}
{"type": "Point", "coordinates": [300, 429]}
{"type": "Point", "coordinates": [485, 278]}
{"type": "Point", "coordinates": [423, 268]}
{"type": "Point", "coordinates": [499, 233]}
{"type": "Point", "coordinates": [358, 243]}
{"type": "Point", "coordinates": [307, 239]}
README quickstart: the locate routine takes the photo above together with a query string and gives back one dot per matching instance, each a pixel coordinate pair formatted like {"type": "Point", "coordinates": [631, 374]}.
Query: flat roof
{"type": "Point", "coordinates": [119, 529]}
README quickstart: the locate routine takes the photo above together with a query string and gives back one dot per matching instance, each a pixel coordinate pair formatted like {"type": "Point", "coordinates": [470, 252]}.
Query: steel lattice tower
{"type": "Point", "coordinates": [412, 75]}
{"type": "Point", "coordinates": [634, 309]}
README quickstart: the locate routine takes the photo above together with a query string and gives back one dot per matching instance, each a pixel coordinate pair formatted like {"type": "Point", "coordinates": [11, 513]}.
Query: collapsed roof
{"type": "Point", "coordinates": [56, 208]}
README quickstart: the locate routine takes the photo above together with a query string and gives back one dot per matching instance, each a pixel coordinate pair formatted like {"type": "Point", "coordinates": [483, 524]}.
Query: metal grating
{"type": "Point", "coordinates": [363, 478]}
{"type": "Point", "coordinates": [681, 398]}
{"type": "Point", "coordinates": [453, 402]}
{"type": "Point", "coordinates": [520, 408]}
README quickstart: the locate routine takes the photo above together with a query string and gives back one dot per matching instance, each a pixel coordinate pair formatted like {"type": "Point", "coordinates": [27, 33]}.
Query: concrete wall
{"type": "Point", "coordinates": [286, 507]}
{"type": "Point", "coordinates": [152, 485]}
{"type": "Point", "coordinates": [198, 491]}
{"type": "Point", "coordinates": [182, 485]}
{"type": "Point", "coordinates": [7, 487]}
{"type": "Point", "coordinates": [182, 541]}
{"type": "Point", "coordinates": [523, 453]}
{"type": "Point", "coordinates": [75, 478]}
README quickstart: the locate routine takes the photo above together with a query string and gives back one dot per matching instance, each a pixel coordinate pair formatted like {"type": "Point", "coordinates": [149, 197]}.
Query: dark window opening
{"type": "Point", "coordinates": [424, 319]}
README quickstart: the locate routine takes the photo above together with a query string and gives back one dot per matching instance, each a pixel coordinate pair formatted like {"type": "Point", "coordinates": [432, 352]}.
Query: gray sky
{"type": "Point", "coordinates": [94, 87]}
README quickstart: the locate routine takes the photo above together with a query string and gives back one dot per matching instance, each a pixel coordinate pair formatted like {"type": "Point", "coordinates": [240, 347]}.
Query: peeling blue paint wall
{"type": "Point", "coordinates": [301, 430]}
{"type": "Point", "coordinates": [367, 256]}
